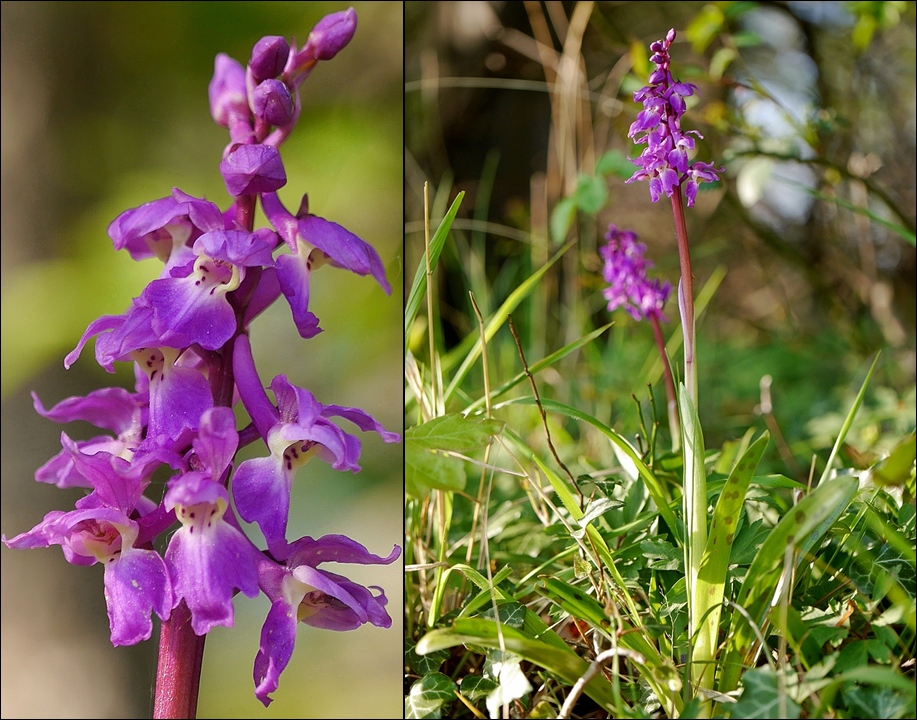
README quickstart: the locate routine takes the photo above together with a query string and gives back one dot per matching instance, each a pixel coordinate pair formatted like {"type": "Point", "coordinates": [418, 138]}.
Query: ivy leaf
{"type": "Point", "coordinates": [875, 702]}
{"type": "Point", "coordinates": [474, 687]}
{"type": "Point", "coordinates": [423, 664]}
{"type": "Point", "coordinates": [428, 695]}
{"type": "Point", "coordinates": [762, 698]}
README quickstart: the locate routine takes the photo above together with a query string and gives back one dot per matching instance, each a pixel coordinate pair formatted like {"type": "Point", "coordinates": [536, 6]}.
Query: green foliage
{"type": "Point", "coordinates": [426, 467]}
{"type": "Point", "coordinates": [561, 545]}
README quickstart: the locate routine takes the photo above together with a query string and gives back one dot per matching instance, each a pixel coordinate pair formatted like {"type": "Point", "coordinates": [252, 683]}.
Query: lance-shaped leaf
{"type": "Point", "coordinates": [711, 577]}
{"type": "Point", "coordinates": [802, 527]}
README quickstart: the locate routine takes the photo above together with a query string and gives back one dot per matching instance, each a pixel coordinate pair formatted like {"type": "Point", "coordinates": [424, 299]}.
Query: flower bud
{"type": "Point", "coordinates": [251, 169]}
{"type": "Point", "coordinates": [227, 90]}
{"type": "Point", "coordinates": [327, 39]}
{"type": "Point", "coordinates": [272, 103]}
{"type": "Point", "coordinates": [331, 34]}
{"type": "Point", "coordinates": [269, 57]}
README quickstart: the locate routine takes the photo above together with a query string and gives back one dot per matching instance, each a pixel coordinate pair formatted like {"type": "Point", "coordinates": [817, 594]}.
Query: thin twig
{"type": "Point", "coordinates": [544, 417]}
{"type": "Point", "coordinates": [594, 668]}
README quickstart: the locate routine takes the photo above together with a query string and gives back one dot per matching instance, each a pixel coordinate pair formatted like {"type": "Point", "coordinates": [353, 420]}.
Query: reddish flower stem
{"type": "Point", "coordinates": [181, 655]}
{"type": "Point", "coordinates": [685, 293]}
{"type": "Point", "coordinates": [672, 401]}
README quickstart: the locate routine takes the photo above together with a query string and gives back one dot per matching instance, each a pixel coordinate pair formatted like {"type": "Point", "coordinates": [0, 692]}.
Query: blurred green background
{"type": "Point", "coordinates": [104, 107]}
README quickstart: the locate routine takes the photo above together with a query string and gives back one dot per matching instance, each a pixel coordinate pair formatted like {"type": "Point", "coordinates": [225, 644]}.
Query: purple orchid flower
{"type": "Point", "coordinates": [115, 409]}
{"type": "Point", "coordinates": [664, 161]}
{"type": "Point", "coordinates": [299, 428]}
{"type": "Point", "coordinates": [314, 242]}
{"type": "Point", "coordinates": [176, 389]}
{"type": "Point", "coordinates": [625, 272]}
{"type": "Point", "coordinates": [166, 229]}
{"type": "Point", "coordinates": [300, 592]}
{"type": "Point", "coordinates": [195, 309]}
{"type": "Point", "coordinates": [229, 99]}
{"type": "Point", "coordinates": [186, 338]}
{"type": "Point", "coordinates": [100, 530]}
{"type": "Point", "coordinates": [208, 558]}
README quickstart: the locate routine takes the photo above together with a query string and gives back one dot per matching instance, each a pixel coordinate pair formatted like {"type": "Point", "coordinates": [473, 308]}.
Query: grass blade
{"type": "Point", "coordinates": [419, 286]}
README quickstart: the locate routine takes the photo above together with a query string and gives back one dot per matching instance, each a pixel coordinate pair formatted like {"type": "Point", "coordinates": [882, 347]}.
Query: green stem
{"type": "Point", "coordinates": [695, 481]}
{"type": "Point", "coordinates": [685, 294]}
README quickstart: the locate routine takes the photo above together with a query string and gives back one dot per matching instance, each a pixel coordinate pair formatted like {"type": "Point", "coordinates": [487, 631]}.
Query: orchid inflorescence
{"type": "Point", "coordinates": [187, 337]}
{"type": "Point", "coordinates": [624, 269]}
{"type": "Point", "coordinates": [664, 162]}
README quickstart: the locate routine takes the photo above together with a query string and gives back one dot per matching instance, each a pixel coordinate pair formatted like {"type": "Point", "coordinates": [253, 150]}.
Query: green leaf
{"type": "Point", "coordinates": [475, 687]}
{"type": "Point", "coordinates": [419, 286]}
{"type": "Point", "coordinates": [562, 217]}
{"type": "Point", "coordinates": [424, 469]}
{"type": "Point", "coordinates": [591, 193]}
{"type": "Point", "coordinates": [574, 601]}
{"type": "Point", "coordinates": [802, 527]}
{"type": "Point", "coordinates": [511, 614]}
{"type": "Point", "coordinates": [423, 664]}
{"type": "Point", "coordinates": [560, 661]}
{"type": "Point", "coordinates": [454, 432]}
{"type": "Point", "coordinates": [763, 698]}
{"type": "Point", "coordinates": [884, 678]}
{"type": "Point", "coordinates": [662, 555]}
{"type": "Point", "coordinates": [701, 594]}
{"type": "Point", "coordinates": [747, 543]}
{"type": "Point", "coordinates": [897, 468]}
{"type": "Point", "coordinates": [875, 702]}
{"type": "Point", "coordinates": [597, 508]}
{"type": "Point", "coordinates": [428, 695]}
{"type": "Point", "coordinates": [711, 577]}
{"type": "Point", "coordinates": [616, 163]}
{"type": "Point", "coordinates": [848, 421]}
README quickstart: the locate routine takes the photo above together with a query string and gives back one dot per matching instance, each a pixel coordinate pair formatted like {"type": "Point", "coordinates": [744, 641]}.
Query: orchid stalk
{"type": "Point", "coordinates": [666, 165]}
{"type": "Point", "coordinates": [187, 337]}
